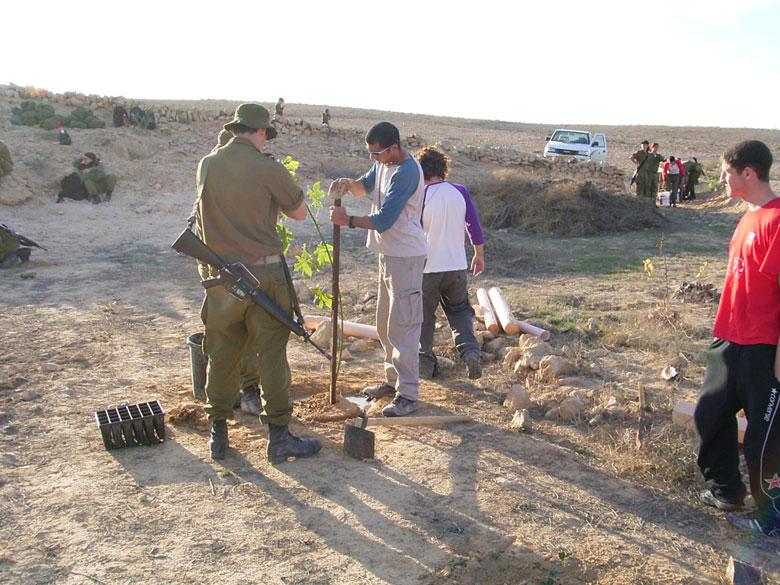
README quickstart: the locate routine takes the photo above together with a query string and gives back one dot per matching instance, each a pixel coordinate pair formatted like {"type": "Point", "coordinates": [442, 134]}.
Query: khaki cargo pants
{"type": "Point", "coordinates": [232, 325]}
{"type": "Point", "coordinates": [399, 316]}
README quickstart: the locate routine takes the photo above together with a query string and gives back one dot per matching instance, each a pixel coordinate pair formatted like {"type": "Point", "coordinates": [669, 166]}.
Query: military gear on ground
{"type": "Point", "coordinates": [72, 188]}
{"type": "Point", "coordinates": [64, 138]}
{"type": "Point", "coordinates": [142, 118]}
{"type": "Point", "coordinates": [282, 445]}
{"type": "Point", "coordinates": [120, 117]}
{"type": "Point", "coordinates": [6, 163]}
{"type": "Point", "coordinates": [218, 443]}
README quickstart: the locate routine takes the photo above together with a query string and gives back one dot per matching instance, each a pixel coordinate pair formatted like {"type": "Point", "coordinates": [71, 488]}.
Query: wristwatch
{"type": "Point", "coordinates": [352, 221]}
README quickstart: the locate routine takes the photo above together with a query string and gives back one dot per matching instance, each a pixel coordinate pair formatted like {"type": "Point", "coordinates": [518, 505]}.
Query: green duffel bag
{"type": "Point", "coordinates": [16, 111]}
{"type": "Point", "coordinates": [27, 106]}
{"type": "Point", "coordinates": [78, 113]}
{"type": "Point", "coordinates": [49, 123]}
{"type": "Point", "coordinates": [45, 110]}
{"type": "Point", "coordinates": [77, 124]}
{"type": "Point", "coordinates": [96, 122]}
{"type": "Point", "coordinates": [29, 118]}
{"type": "Point", "coordinates": [16, 120]}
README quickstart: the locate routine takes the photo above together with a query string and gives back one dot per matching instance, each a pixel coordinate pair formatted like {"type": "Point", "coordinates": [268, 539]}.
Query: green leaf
{"type": "Point", "coordinates": [324, 253]}
{"type": "Point", "coordinates": [323, 299]}
{"type": "Point", "coordinates": [285, 236]}
{"type": "Point", "coordinates": [316, 195]}
{"type": "Point", "coordinates": [290, 164]}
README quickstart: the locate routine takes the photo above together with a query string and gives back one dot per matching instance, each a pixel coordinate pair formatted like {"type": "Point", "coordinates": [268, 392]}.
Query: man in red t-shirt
{"type": "Point", "coordinates": [743, 362]}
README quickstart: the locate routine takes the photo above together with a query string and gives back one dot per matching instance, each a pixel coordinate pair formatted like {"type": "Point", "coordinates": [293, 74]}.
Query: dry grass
{"type": "Point", "coordinates": [565, 207]}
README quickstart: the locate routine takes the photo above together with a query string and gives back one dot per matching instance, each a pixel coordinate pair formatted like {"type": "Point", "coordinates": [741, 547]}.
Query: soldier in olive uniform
{"type": "Point", "coordinates": [6, 163]}
{"type": "Point", "coordinates": [11, 250]}
{"type": "Point", "coordinates": [693, 170]}
{"type": "Point", "coordinates": [279, 109]}
{"type": "Point", "coordinates": [240, 195]}
{"type": "Point", "coordinates": [654, 159]}
{"type": "Point", "coordinates": [644, 179]}
{"type": "Point", "coordinates": [94, 177]}
{"type": "Point", "coordinates": [249, 400]}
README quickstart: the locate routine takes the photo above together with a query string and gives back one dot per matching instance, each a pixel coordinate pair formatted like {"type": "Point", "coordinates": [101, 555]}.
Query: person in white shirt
{"type": "Point", "coordinates": [448, 212]}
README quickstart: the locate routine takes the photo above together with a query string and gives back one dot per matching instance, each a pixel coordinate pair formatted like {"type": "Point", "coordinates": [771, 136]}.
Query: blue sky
{"type": "Point", "coordinates": [689, 62]}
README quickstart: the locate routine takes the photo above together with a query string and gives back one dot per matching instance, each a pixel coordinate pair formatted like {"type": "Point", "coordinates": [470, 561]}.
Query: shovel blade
{"type": "Point", "coordinates": [358, 443]}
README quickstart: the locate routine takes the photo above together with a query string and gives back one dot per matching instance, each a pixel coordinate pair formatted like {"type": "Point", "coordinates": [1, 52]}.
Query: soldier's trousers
{"type": "Point", "coordinates": [95, 187]}
{"type": "Point", "coordinates": [232, 325]}
{"type": "Point", "coordinates": [644, 185]}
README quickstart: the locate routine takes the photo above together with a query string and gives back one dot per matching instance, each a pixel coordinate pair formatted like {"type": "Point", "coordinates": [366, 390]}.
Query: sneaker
{"type": "Point", "coordinates": [710, 499]}
{"type": "Point", "coordinates": [250, 401]}
{"type": "Point", "coordinates": [753, 522]}
{"type": "Point", "coordinates": [474, 364]}
{"type": "Point", "coordinates": [378, 391]}
{"type": "Point", "coordinates": [400, 407]}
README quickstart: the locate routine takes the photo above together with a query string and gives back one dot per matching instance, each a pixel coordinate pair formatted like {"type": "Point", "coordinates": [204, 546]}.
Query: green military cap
{"type": "Point", "coordinates": [253, 116]}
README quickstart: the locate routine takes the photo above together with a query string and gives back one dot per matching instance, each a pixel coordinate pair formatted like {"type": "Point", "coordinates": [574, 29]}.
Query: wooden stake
{"type": "Point", "coordinates": [640, 432]}
{"type": "Point", "coordinates": [334, 345]}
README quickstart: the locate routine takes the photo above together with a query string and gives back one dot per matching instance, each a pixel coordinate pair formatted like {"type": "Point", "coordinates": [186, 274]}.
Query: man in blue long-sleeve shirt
{"type": "Point", "coordinates": [396, 186]}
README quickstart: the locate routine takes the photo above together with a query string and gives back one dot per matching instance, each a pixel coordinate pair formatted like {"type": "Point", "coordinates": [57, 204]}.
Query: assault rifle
{"type": "Point", "coordinates": [239, 282]}
{"type": "Point", "coordinates": [23, 240]}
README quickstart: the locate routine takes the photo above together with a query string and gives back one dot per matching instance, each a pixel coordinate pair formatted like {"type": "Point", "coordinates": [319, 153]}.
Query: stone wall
{"type": "Point", "coordinates": [552, 168]}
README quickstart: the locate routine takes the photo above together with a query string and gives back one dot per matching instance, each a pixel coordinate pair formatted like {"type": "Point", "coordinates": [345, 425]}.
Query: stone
{"type": "Point", "coordinates": [322, 335]}
{"type": "Point", "coordinates": [27, 395]}
{"type": "Point", "coordinates": [534, 356]}
{"type": "Point", "coordinates": [512, 355]}
{"type": "Point", "coordinates": [517, 398]}
{"type": "Point", "coordinates": [11, 458]}
{"type": "Point", "coordinates": [495, 346]}
{"type": "Point", "coordinates": [49, 367]}
{"type": "Point", "coordinates": [741, 573]}
{"type": "Point", "coordinates": [446, 363]}
{"type": "Point", "coordinates": [5, 381]}
{"type": "Point", "coordinates": [521, 421]}
{"type": "Point", "coordinates": [552, 414]}
{"type": "Point", "coordinates": [553, 366]}
{"type": "Point", "coordinates": [572, 314]}
{"type": "Point", "coordinates": [488, 358]}
{"type": "Point", "coordinates": [592, 325]}
{"type": "Point", "coordinates": [358, 346]}
{"type": "Point", "coordinates": [571, 408]}
{"type": "Point", "coordinates": [669, 373]}
{"type": "Point", "coordinates": [345, 355]}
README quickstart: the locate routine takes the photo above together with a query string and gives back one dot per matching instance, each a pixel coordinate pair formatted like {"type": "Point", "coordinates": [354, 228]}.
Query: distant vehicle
{"type": "Point", "coordinates": [577, 144]}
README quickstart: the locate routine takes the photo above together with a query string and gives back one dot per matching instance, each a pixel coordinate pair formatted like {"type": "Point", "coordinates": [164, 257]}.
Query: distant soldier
{"type": "Point", "coordinates": [326, 118]}
{"type": "Point", "coordinates": [643, 176]}
{"type": "Point", "coordinates": [654, 160]}
{"type": "Point", "coordinates": [693, 170]}
{"type": "Point", "coordinates": [279, 109]}
{"type": "Point", "coordinates": [6, 163]}
{"type": "Point", "coordinates": [94, 177]}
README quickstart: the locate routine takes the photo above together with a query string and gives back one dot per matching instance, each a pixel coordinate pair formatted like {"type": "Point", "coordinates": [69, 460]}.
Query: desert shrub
{"type": "Point", "coordinates": [562, 207]}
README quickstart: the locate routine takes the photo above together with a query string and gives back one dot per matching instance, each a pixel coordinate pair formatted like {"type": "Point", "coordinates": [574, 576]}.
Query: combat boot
{"type": "Point", "coordinates": [218, 443]}
{"type": "Point", "coordinates": [24, 254]}
{"type": "Point", "coordinates": [108, 196]}
{"type": "Point", "coordinates": [250, 400]}
{"type": "Point", "coordinates": [282, 445]}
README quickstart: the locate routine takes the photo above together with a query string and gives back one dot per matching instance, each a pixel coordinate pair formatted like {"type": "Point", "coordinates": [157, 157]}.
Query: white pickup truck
{"type": "Point", "coordinates": [577, 144]}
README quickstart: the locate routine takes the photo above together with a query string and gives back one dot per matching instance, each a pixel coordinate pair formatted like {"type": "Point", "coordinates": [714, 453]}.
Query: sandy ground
{"type": "Point", "coordinates": [103, 322]}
